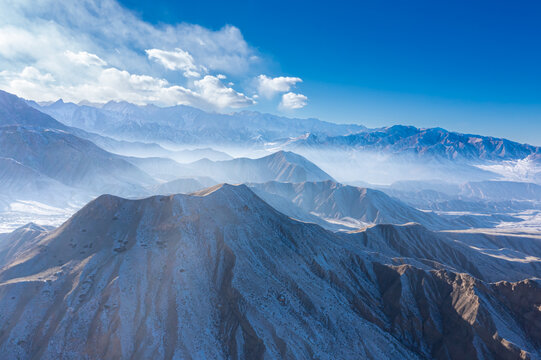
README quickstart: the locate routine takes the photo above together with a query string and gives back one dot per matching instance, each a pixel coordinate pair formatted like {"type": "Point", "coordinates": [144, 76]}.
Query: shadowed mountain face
{"type": "Point", "coordinates": [221, 274]}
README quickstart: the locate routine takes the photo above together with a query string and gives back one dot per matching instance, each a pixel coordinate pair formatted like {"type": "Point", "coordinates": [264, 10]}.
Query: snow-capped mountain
{"type": "Point", "coordinates": [221, 274]}
{"type": "Point", "coordinates": [186, 125]}
{"type": "Point", "coordinates": [183, 124]}
{"type": "Point", "coordinates": [349, 152]}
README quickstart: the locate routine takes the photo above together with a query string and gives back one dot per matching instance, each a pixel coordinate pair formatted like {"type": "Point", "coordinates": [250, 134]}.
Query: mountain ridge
{"type": "Point", "coordinates": [260, 284]}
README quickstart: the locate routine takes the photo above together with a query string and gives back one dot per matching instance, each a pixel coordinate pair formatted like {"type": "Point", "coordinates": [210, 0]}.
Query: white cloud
{"type": "Point", "coordinates": [29, 81]}
{"type": "Point", "coordinates": [98, 51]}
{"type": "Point", "coordinates": [84, 58]}
{"type": "Point", "coordinates": [213, 91]}
{"type": "Point", "coordinates": [105, 28]}
{"type": "Point", "coordinates": [291, 101]}
{"type": "Point", "coordinates": [95, 50]}
{"type": "Point", "coordinates": [269, 87]}
{"type": "Point", "coordinates": [118, 85]}
{"type": "Point", "coordinates": [31, 73]}
{"type": "Point", "coordinates": [175, 60]}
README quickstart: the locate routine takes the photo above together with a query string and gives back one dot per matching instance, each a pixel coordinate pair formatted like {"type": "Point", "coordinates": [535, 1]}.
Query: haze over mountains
{"type": "Point", "coordinates": [69, 155]}
{"type": "Point", "coordinates": [309, 255]}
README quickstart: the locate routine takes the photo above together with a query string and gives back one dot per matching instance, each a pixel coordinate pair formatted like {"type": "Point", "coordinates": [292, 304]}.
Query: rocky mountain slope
{"type": "Point", "coordinates": [221, 274]}
{"type": "Point", "coordinates": [501, 191]}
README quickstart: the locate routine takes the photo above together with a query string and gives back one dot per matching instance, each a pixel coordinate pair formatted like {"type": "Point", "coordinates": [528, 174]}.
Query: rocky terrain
{"type": "Point", "coordinates": [221, 274]}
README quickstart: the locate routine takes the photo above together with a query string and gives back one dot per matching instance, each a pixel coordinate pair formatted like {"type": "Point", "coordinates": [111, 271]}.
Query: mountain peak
{"type": "Point", "coordinates": [284, 154]}
{"type": "Point", "coordinates": [224, 188]}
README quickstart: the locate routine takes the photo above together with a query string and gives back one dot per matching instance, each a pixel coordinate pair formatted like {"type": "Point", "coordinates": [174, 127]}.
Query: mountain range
{"type": "Point", "coordinates": [183, 124]}
{"type": "Point", "coordinates": [47, 161]}
{"type": "Point", "coordinates": [44, 145]}
{"type": "Point", "coordinates": [349, 152]}
{"type": "Point", "coordinates": [432, 142]}
{"type": "Point", "coordinates": [303, 258]}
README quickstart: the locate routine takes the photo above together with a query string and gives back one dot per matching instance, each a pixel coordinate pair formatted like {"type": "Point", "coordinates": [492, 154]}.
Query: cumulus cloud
{"type": "Point", "coordinates": [269, 87]}
{"type": "Point", "coordinates": [28, 73]}
{"type": "Point", "coordinates": [215, 92]}
{"type": "Point", "coordinates": [291, 101]}
{"type": "Point", "coordinates": [114, 84]}
{"type": "Point", "coordinates": [29, 81]}
{"type": "Point", "coordinates": [98, 51]}
{"type": "Point", "coordinates": [175, 60]}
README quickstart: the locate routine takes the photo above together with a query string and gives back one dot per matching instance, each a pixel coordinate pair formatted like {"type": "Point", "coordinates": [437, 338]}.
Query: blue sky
{"type": "Point", "coordinates": [469, 66]}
